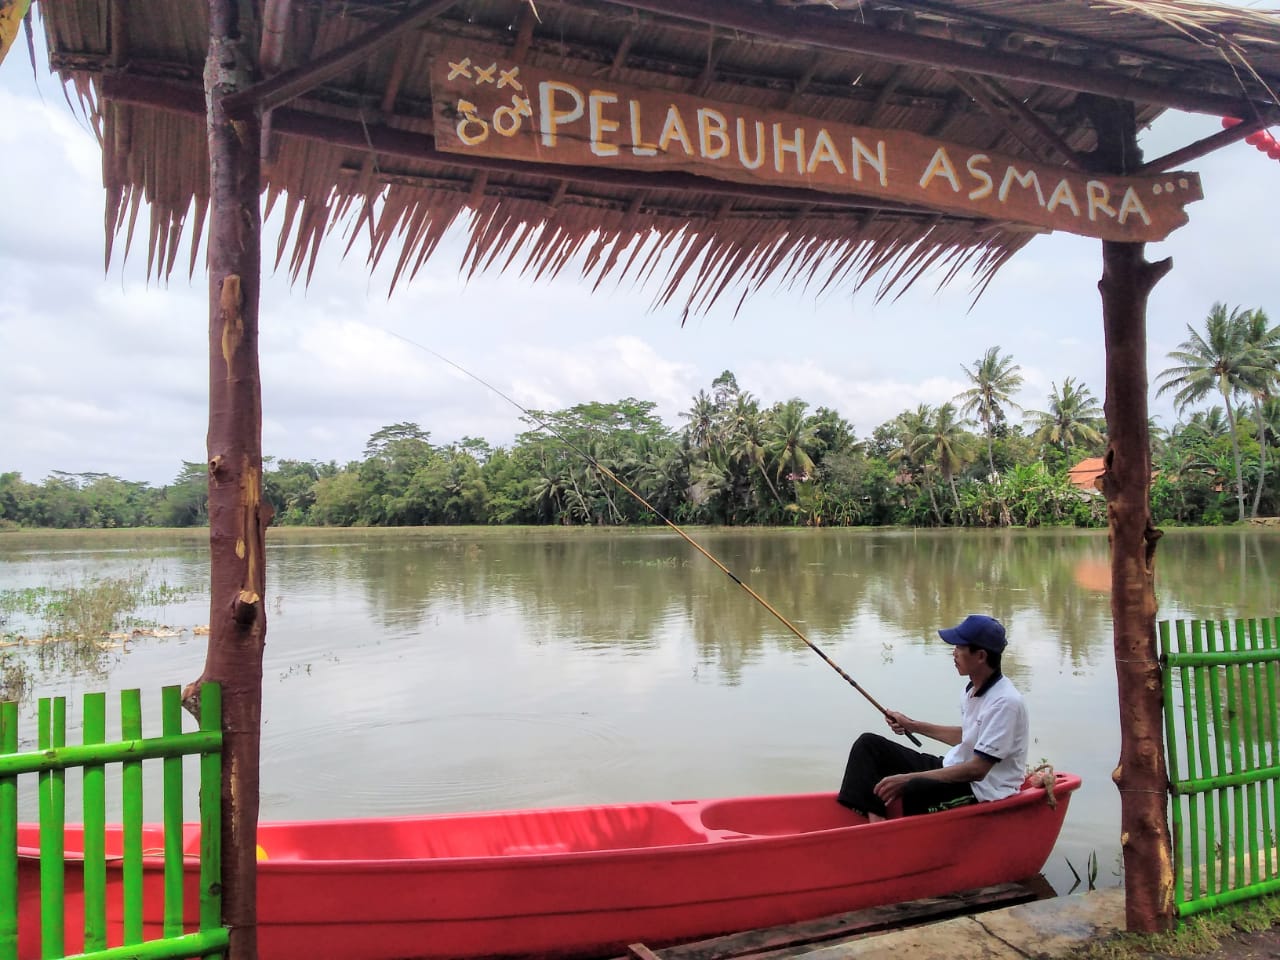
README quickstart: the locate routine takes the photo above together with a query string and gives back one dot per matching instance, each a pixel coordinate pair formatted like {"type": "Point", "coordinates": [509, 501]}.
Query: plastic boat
{"type": "Point", "coordinates": [578, 881]}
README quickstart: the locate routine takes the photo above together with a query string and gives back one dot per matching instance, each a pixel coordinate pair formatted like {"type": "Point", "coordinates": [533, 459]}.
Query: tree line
{"type": "Point", "coordinates": [976, 460]}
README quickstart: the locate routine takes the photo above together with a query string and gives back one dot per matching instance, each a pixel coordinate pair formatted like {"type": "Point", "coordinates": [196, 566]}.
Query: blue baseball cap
{"type": "Point", "coordinates": [986, 633]}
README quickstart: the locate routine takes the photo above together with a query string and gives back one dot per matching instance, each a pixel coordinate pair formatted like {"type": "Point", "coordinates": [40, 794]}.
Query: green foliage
{"type": "Point", "coordinates": [1238, 358]}
{"type": "Point", "coordinates": [15, 676]}
{"type": "Point", "coordinates": [1072, 425]}
{"type": "Point", "coordinates": [185, 502]}
{"type": "Point", "coordinates": [290, 488]}
{"type": "Point", "coordinates": [994, 380]}
{"type": "Point", "coordinates": [854, 490]}
{"type": "Point", "coordinates": [734, 462]}
{"type": "Point", "coordinates": [85, 613]}
{"type": "Point", "coordinates": [338, 499]}
{"type": "Point", "coordinates": [1200, 935]}
{"type": "Point", "coordinates": [1091, 868]}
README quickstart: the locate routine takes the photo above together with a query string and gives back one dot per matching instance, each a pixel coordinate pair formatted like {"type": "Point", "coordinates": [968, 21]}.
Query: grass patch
{"type": "Point", "coordinates": [86, 613]}
{"type": "Point", "coordinates": [1198, 935]}
{"type": "Point", "coordinates": [15, 677]}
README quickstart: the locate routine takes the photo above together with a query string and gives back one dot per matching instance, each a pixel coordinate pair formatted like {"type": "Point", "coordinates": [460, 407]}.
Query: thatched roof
{"type": "Point", "coordinates": [350, 150]}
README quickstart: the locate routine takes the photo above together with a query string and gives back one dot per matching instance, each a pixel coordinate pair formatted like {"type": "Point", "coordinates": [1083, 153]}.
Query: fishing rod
{"type": "Point", "coordinates": [661, 516]}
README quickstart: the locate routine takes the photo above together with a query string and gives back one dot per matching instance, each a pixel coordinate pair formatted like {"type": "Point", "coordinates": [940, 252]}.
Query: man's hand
{"type": "Point", "coordinates": [890, 788]}
{"type": "Point", "coordinates": [899, 723]}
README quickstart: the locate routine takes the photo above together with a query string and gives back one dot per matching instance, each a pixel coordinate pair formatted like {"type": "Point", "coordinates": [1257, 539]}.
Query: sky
{"type": "Point", "coordinates": [103, 370]}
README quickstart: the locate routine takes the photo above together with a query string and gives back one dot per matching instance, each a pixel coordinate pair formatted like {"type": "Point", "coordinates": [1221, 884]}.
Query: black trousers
{"type": "Point", "coordinates": [873, 757]}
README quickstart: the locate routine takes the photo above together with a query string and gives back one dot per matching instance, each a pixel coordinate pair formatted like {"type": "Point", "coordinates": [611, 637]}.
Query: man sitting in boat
{"type": "Point", "coordinates": [988, 752]}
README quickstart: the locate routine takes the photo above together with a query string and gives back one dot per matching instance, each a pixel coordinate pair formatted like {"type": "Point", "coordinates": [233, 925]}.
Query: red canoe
{"type": "Point", "coordinates": [584, 881]}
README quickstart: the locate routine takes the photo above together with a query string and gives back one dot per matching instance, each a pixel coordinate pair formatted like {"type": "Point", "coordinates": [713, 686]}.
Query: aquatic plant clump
{"type": "Point", "coordinates": [14, 676]}
{"type": "Point", "coordinates": [85, 613]}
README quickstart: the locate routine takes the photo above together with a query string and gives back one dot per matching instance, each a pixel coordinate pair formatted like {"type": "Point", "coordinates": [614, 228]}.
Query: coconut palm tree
{"type": "Point", "coordinates": [547, 489]}
{"type": "Point", "coordinates": [1270, 437]}
{"type": "Point", "coordinates": [1072, 418]}
{"type": "Point", "coordinates": [942, 442]}
{"type": "Point", "coordinates": [745, 437]}
{"type": "Point", "coordinates": [788, 435]}
{"type": "Point", "coordinates": [912, 429]}
{"type": "Point", "coordinates": [1221, 360]}
{"type": "Point", "coordinates": [1205, 425]}
{"type": "Point", "coordinates": [1264, 341]}
{"type": "Point", "coordinates": [702, 421]}
{"type": "Point", "coordinates": [994, 379]}
{"type": "Point", "coordinates": [710, 493]}
{"type": "Point", "coordinates": [662, 473]}
{"type": "Point", "coordinates": [832, 434]}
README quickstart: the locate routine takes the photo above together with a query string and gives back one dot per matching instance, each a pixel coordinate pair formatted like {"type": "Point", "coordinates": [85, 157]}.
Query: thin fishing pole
{"type": "Point", "coordinates": [661, 516]}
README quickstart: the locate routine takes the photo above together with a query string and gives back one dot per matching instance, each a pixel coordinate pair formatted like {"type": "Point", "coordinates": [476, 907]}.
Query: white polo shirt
{"type": "Point", "coordinates": [993, 722]}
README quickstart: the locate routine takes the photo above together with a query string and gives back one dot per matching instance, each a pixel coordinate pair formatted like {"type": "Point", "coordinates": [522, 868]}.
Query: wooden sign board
{"type": "Point", "coordinates": [488, 105]}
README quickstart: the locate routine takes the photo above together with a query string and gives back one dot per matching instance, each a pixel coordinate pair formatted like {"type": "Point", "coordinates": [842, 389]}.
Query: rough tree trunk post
{"type": "Point", "coordinates": [1141, 776]}
{"type": "Point", "coordinates": [237, 516]}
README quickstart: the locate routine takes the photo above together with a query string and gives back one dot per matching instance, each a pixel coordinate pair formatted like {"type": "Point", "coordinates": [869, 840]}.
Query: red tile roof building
{"type": "Point", "coordinates": [1085, 474]}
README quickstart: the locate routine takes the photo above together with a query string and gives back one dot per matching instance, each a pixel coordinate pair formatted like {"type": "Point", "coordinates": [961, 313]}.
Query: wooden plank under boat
{"type": "Point", "coordinates": [807, 936]}
{"type": "Point", "coordinates": [578, 881]}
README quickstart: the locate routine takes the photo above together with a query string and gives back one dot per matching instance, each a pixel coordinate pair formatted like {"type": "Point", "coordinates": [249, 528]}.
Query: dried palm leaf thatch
{"type": "Point", "coordinates": [378, 186]}
{"type": "Point", "coordinates": [1238, 35]}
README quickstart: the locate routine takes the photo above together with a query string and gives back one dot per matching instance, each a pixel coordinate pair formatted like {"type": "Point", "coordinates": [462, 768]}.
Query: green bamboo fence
{"type": "Point", "coordinates": [50, 762]}
{"type": "Point", "coordinates": [1221, 724]}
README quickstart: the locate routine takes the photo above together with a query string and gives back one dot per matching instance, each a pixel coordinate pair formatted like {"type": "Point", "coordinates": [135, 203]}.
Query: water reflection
{"type": "Point", "coordinates": [410, 671]}
{"type": "Point", "coordinates": [624, 590]}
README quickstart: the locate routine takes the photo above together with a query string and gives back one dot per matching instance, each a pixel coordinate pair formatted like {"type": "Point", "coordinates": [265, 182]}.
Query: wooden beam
{"type": "Point", "coordinates": [171, 95]}
{"type": "Point", "coordinates": [1034, 120]}
{"type": "Point", "coordinates": [620, 56]}
{"type": "Point", "coordinates": [398, 67]}
{"type": "Point", "coordinates": [420, 146]}
{"type": "Point", "coordinates": [382, 139]}
{"type": "Point", "coordinates": [847, 35]}
{"type": "Point", "coordinates": [828, 91]}
{"type": "Point", "coordinates": [478, 183]}
{"type": "Point", "coordinates": [973, 87]}
{"type": "Point", "coordinates": [118, 22]}
{"type": "Point", "coordinates": [275, 33]}
{"type": "Point", "coordinates": [117, 116]}
{"type": "Point", "coordinates": [715, 50]}
{"type": "Point", "coordinates": [802, 82]}
{"type": "Point", "coordinates": [524, 32]}
{"type": "Point", "coordinates": [1202, 147]}
{"type": "Point", "coordinates": [293, 83]}
{"type": "Point", "coordinates": [1013, 33]}
{"type": "Point", "coordinates": [882, 98]}
{"type": "Point", "coordinates": [370, 163]}
{"type": "Point", "coordinates": [806, 937]}
{"type": "Point", "coordinates": [955, 106]}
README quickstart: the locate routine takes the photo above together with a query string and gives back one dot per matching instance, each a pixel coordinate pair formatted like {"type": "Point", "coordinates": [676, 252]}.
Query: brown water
{"type": "Point", "coordinates": [443, 670]}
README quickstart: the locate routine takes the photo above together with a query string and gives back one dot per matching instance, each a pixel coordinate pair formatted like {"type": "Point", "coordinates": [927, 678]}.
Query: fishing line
{"type": "Point", "coordinates": [661, 516]}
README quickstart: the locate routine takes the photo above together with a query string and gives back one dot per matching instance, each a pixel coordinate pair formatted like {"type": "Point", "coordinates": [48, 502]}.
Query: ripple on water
{"type": "Point", "coordinates": [473, 761]}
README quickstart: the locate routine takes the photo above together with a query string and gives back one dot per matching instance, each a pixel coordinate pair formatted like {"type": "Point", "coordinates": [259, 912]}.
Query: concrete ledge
{"type": "Point", "coordinates": [1044, 928]}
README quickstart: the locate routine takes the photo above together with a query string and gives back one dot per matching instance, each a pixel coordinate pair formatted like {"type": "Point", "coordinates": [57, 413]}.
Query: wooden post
{"type": "Point", "coordinates": [237, 516]}
{"type": "Point", "coordinates": [1141, 776]}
